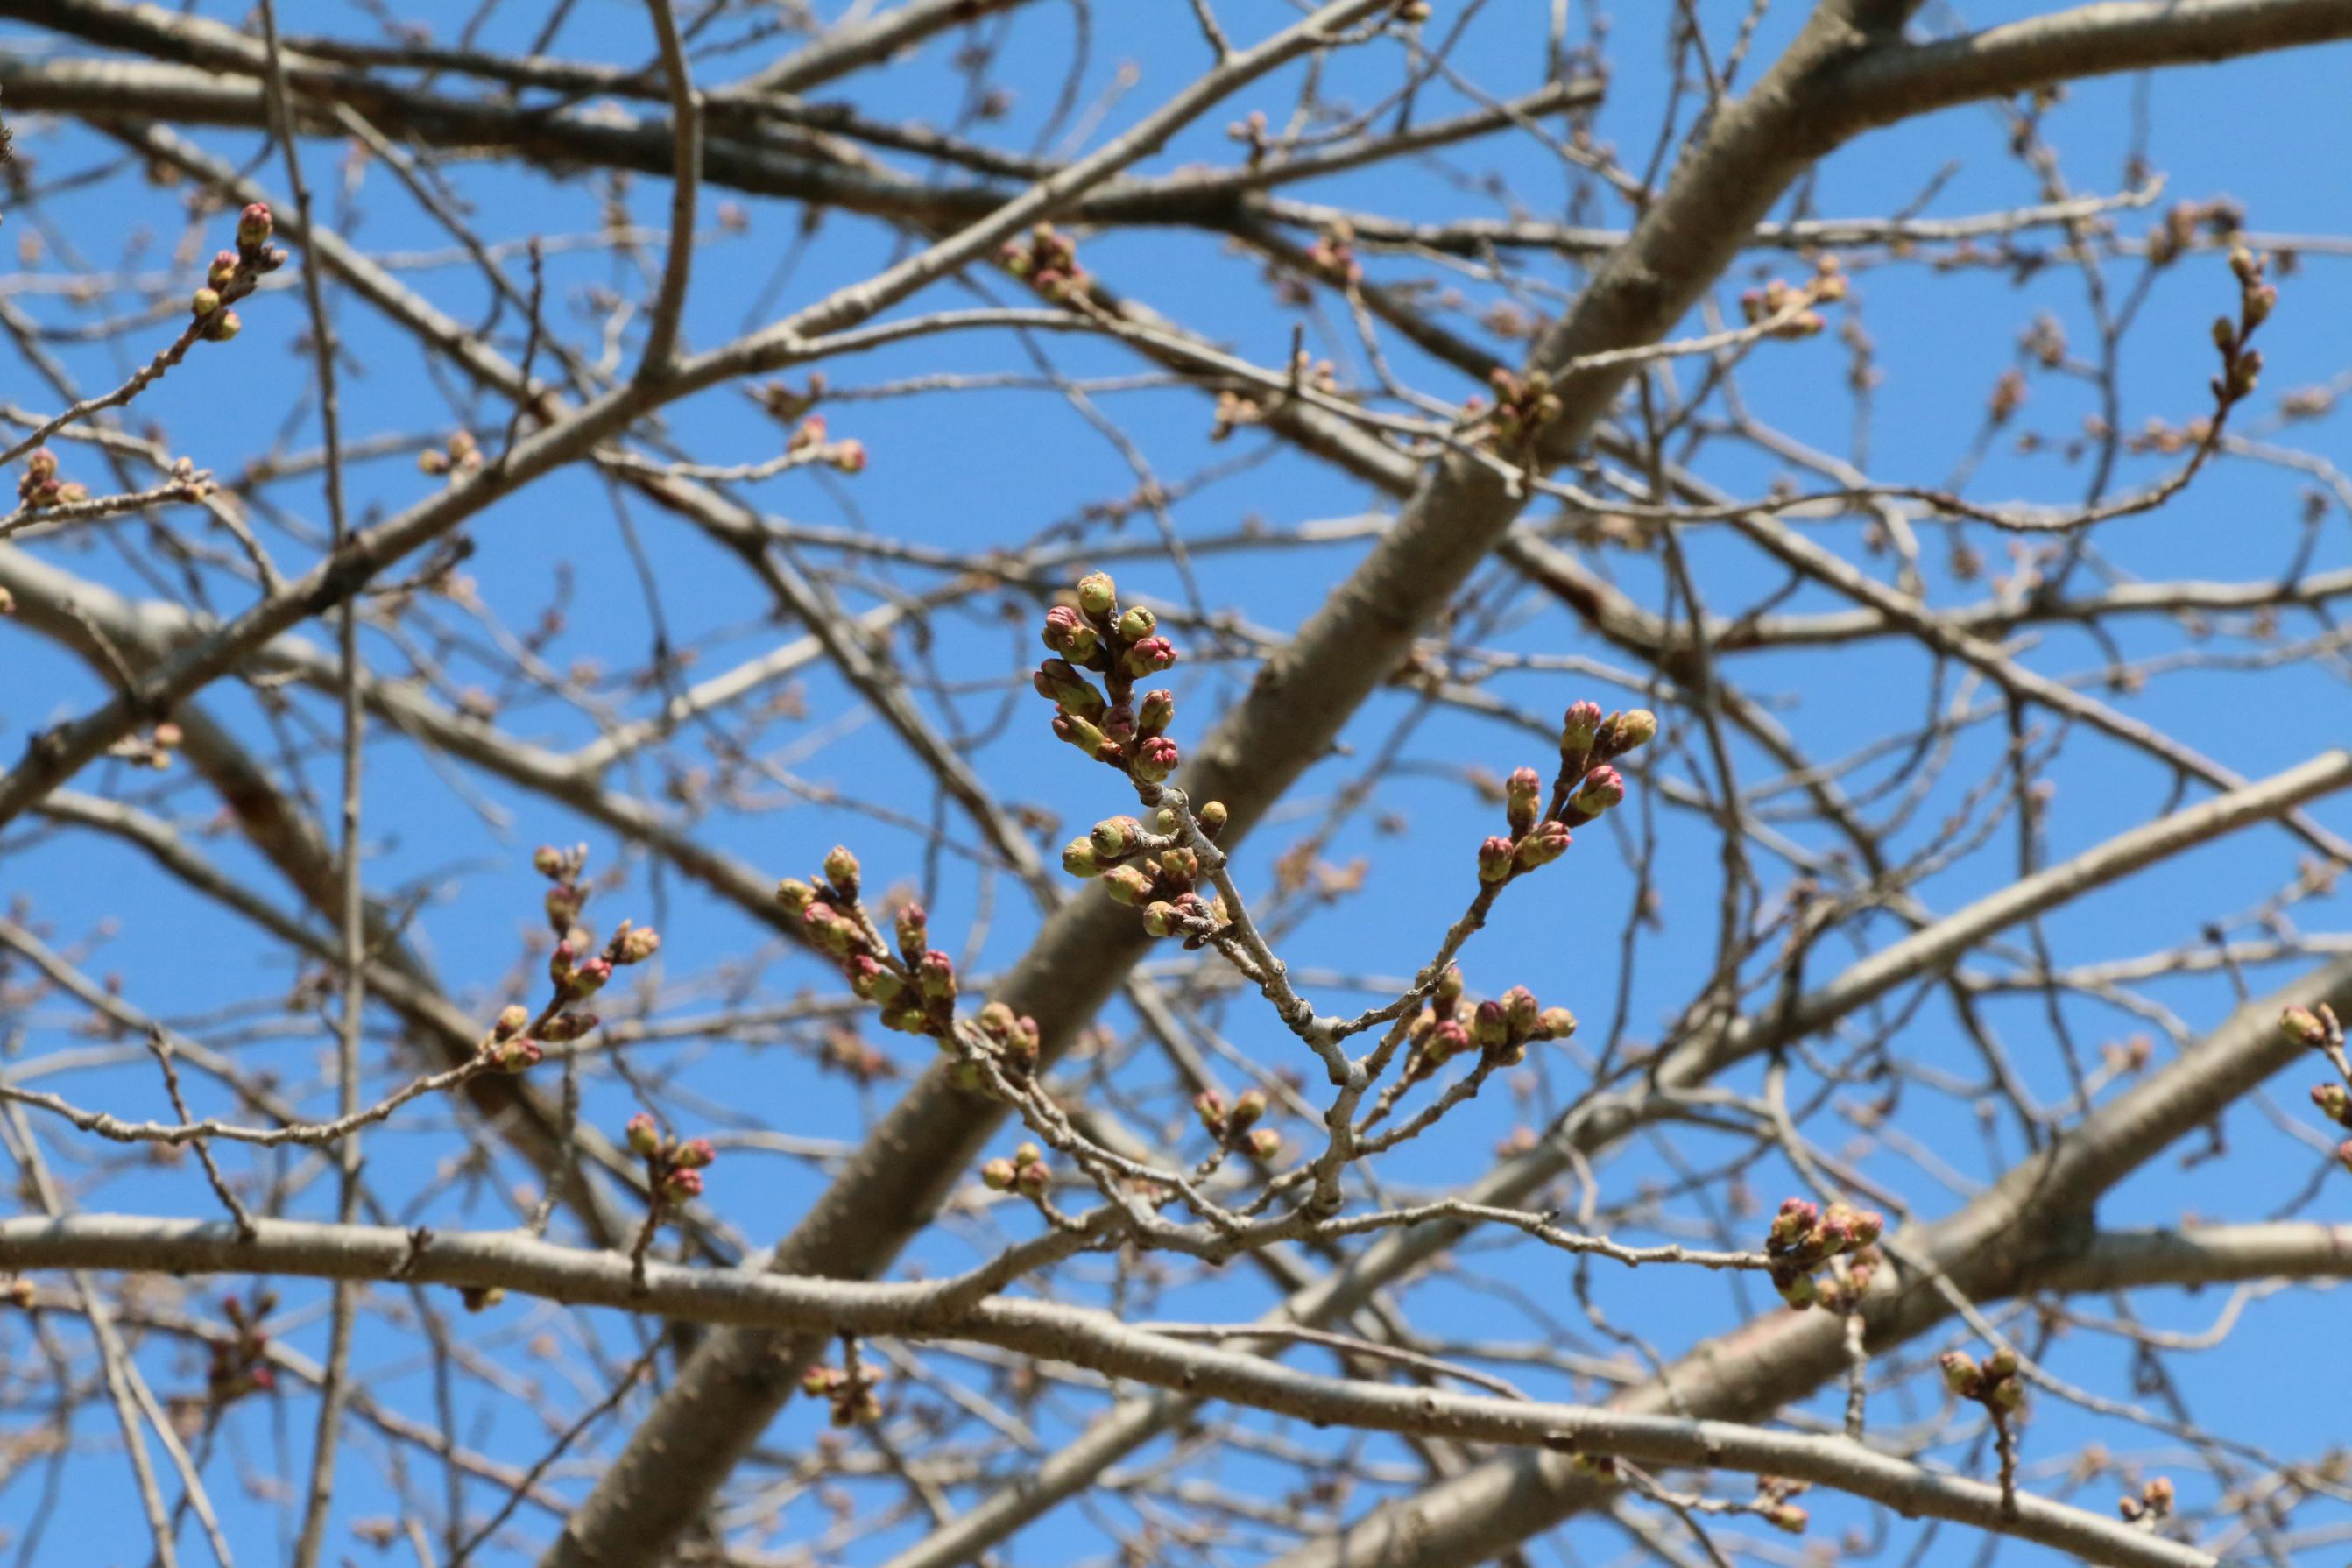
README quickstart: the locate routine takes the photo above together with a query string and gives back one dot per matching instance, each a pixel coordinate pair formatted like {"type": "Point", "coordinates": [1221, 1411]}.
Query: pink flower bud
{"type": "Point", "coordinates": [1603, 788]}
{"type": "Point", "coordinates": [2303, 1028]}
{"type": "Point", "coordinates": [253, 227]}
{"type": "Point", "coordinates": [645, 1137]}
{"type": "Point", "coordinates": [1521, 793]}
{"type": "Point", "coordinates": [694, 1155]}
{"type": "Point", "coordinates": [1547, 843]}
{"type": "Point", "coordinates": [1626, 732]}
{"type": "Point", "coordinates": [938, 977]}
{"type": "Point", "coordinates": [1155, 759]}
{"type": "Point", "coordinates": [1066, 632]}
{"type": "Point", "coordinates": [840, 868]}
{"type": "Point", "coordinates": [1520, 1007]}
{"type": "Point", "coordinates": [223, 271]}
{"type": "Point", "coordinates": [1446, 1041]}
{"type": "Point", "coordinates": [1579, 728]}
{"type": "Point", "coordinates": [1156, 714]}
{"type": "Point", "coordinates": [567, 1027]}
{"type": "Point", "coordinates": [1555, 1024]}
{"type": "Point", "coordinates": [849, 456]}
{"type": "Point", "coordinates": [1494, 859]}
{"type": "Point", "coordinates": [913, 930]}
{"type": "Point", "coordinates": [680, 1184]}
{"type": "Point", "coordinates": [634, 944]}
{"type": "Point", "coordinates": [1149, 656]}
{"type": "Point", "coordinates": [1210, 1107]}
{"type": "Point", "coordinates": [519, 1054]}
{"type": "Point", "coordinates": [1266, 1144]}
{"type": "Point", "coordinates": [511, 1020]}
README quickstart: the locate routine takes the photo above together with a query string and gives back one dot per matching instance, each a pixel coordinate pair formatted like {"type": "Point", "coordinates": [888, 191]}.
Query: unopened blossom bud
{"type": "Point", "coordinates": [645, 1136]}
{"type": "Point", "coordinates": [1449, 989]}
{"type": "Point", "coordinates": [1446, 1041]}
{"type": "Point", "coordinates": [1157, 711]}
{"type": "Point", "coordinates": [565, 1027]}
{"type": "Point", "coordinates": [223, 270]}
{"type": "Point", "coordinates": [1033, 1179]}
{"type": "Point", "coordinates": [1603, 788]}
{"type": "Point", "coordinates": [253, 226]}
{"type": "Point", "coordinates": [1078, 858]}
{"type": "Point", "coordinates": [2006, 1395]}
{"type": "Point", "coordinates": [1066, 632]}
{"type": "Point", "coordinates": [1128, 886]}
{"type": "Point", "coordinates": [1494, 859]}
{"type": "Point", "coordinates": [1116, 837]}
{"type": "Point", "coordinates": [871, 982]}
{"type": "Point", "coordinates": [1961, 1373]}
{"type": "Point", "coordinates": [519, 1054]}
{"type": "Point", "coordinates": [2344, 1153]}
{"type": "Point", "coordinates": [1798, 1289]}
{"type": "Point", "coordinates": [827, 930]}
{"type": "Point", "coordinates": [1149, 656]}
{"type": "Point", "coordinates": [1579, 728]}
{"type": "Point", "coordinates": [795, 895]}
{"type": "Point", "coordinates": [1211, 819]}
{"type": "Point", "coordinates": [1547, 843]}
{"type": "Point", "coordinates": [2303, 1028]}
{"type": "Point", "coordinates": [563, 905]}
{"type": "Point", "coordinates": [1209, 1106]}
{"type": "Point", "coordinates": [1249, 1108]}
{"type": "Point", "coordinates": [694, 1155]}
{"type": "Point", "coordinates": [1555, 1024]}
{"type": "Point", "coordinates": [998, 1176]}
{"type": "Point", "coordinates": [1521, 1009]}
{"type": "Point", "coordinates": [1490, 1026]}
{"type": "Point", "coordinates": [1137, 625]}
{"type": "Point", "coordinates": [548, 860]}
{"type": "Point", "coordinates": [938, 977]}
{"type": "Point", "coordinates": [590, 976]}
{"type": "Point", "coordinates": [1086, 737]}
{"type": "Point", "coordinates": [1266, 1144]}
{"type": "Point", "coordinates": [907, 1018]}
{"type": "Point", "coordinates": [1098, 594]}
{"type": "Point", "coordinates": [511, 1019]}
{"type": "Point", "coordinates": [848, 456]}
{"type": "Point", "coordinates": [2225, 334]}
{"type": "Point", "coordinates": [634, 943]}
{"type": "Point", "coordinates": [1787, 1516]}
{"type": "Point", "coordinates": [1626, 732]}
{"type": "Point", "coordinates": [2003, 1363]}
{"type": "Point", "coordinates": [2334, 1102]}
{"type": "Point", "coordinates": [1155, 759]}
{"type": "Point", "coordinates": [220, 328]}
{"type": "Point", "coordinates": [681, 1186]}
{"type": "Point", "coordinates": [204, 301]}
{"type": "Point", "coordinates": [1162, 918]}
{"type": "Point", "coordinates": [841, 869]}
{"type": "Point", "coordinates": [913, 929]}
{"type": "Point", "coordinates": [1521, 793]}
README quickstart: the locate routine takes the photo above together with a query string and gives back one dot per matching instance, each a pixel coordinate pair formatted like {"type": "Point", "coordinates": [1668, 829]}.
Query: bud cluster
{"type": "Point", "coordinates": [1151, 870]}
{"type": "Point", "coordinates": [1524, 404]}
{"type": "Point", "coordinates": [239, 1364]}
{"type": "Point", "coordinates": [1047, 260]}
{"type": "Point", "coordinates": [808, 443]}
{"type": "Point", "coordinates": [1236, 1125]}
{"type": "Point", "coordinates": [459, 456]}
{"type": "Point", "coordinates": [1995, 1386]}
{"type": "Point", "coordinates": [234, 274]}
{"type": "Point", "coordinates": [1025, 1173]}
{"type": "Point", "coordinates": [915, 986]}
{"type": "Point", "coordinates": [41, 487]}
{"type": "Point", "coordinates": [2153, 1503]}
{"type": "Point", "coordinates": [1791, 304]}
{"type": "Point", "coordinates": [1774, 1505]}
{"type": "Point", "coordinates": [850, 1392]}
{"type": "Point", "coordinates": [1804, 1238]}
{"type": "Point", "coordinates": [673, 1166]}
{"type": "Point", "coordinates": [2242, 367]}
{"type": "Point", "coordinates": [1333, 255]}
{"type": "Point", "coordinates": [2319, 1029]}
{"type": "Point", "coordinates": [1499, 1029]}
{"type": "Point", "coordinates": [575, 968]}
{"type": "Point", "coordinates": [1586, 788]}
{"type": "Point", "coordinates": [1110, 723]}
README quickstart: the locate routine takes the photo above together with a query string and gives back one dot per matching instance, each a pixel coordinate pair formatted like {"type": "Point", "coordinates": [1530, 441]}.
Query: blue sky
{"type": "Point", "coordinates": [975, 470]}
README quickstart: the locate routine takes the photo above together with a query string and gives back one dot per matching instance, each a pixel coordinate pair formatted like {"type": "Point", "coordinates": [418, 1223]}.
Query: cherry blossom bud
{"type": "Point", "coordinates": [2006, 1395]}
{"type": "Point", "coordinates": [938, 977]}
{"type": "Point", "coordinates": [1626, 732]}
{"type": "Point", "coordinates": [828, 930]}
{"type": "Point", "coordinates": [2302, 1028]}
{"type": "Point", "coordinates": [204, 301]}
{"type": "Point", "coordinates": [1211, 819]}
{"type": "Point", "coordinates": [1579, 728]}
{"type": "Point", "coordinates": [913, 930]}
{"type": "Point", "coordinates": [1494, 859]}
{"type": "Point", "coordinates": [1086, 737]}
{"type": "Point", "coordinates": [795, 895]}
{"type": "Point", "coordinates": [1128, 886]}
{"type": "Point", "coordinates": [2003, 1363]}
{"type": "Point", "coordinates": [1603, 788]}
{"type": "Point", "coordinates": [694, 1155]}
{"type": "Point", "coordinates": [848, 456]}
{"type": "Point", "coordinates": [1078, 858]}
{"type": "Point", "coordinates": [548, 860]}
{"type": "Point", "coordinates": [565, 1027]}
{"type": "Point", "coordinates": [1520, 795]}
{"type": "Point", "coordinates": [253, 227]}
{"type": "Point", "coordinates": [634, 944]}
{"type": "Point", "coordinates": [841, 869]}
{"type": "Point", "coordinates": [1522, 1011]}
{"type": "Point", "coordinates": [1157, 711]}
{"type": "Point", "coordinates": [1446, 1041]}
{"type": "Point", "coordinates": [1098, 594]}
{"type": "Point", "coordinates": [223, 270]}
{"type": "Point", "coordinates": [1787, 1516]}
{"type": "Point", "coordinates": [563, 905]}
{"type": "Point", "coordinates": [1547, 843]}
{"type": "Point", "coordinates": [1490, 1026]}
{"type": "Point", "coordinates": [1449, 989]}
{"type": "Point", "coordinates": [681, 1186]}
{"type": "Point", "coordinates": [511, 1020]}
{"type": "Point", "coordinates": [997, 1176]}
{"type": "Point", "coordinates": [1162, 918]}
{"type": "Point", "coordinates": [2344, 1153]}
{"type": "Point", "coordinates": [221, 326]}
{"type": "Point", "coordinates": [871, 982]}
{"type": "Point", "coordinates": [1249, 1108]}
{"type": "Point", "coordinates": [1155, 759]}
{"type": "Point", "coordinates": [1116, 837]}
{"type": "Point", "coordinates": [1266, 1144]}
{"type": "Point", "coordinates": [645, 1137]}
{"type": "Point", "coordinates": [1137, 625]}
{"type": "Point", "coordinates": [1555, 1024]}
{"type": "Point", "coordinates": [1961, 1373]}
{"type": "Point", "coordinates": [590, 976]}
{"type": "Point", "coordinates": [1033, 1179]}
{"type": "Point", "coordinates": [1210, 1107]}
{"type": "Point", "coordinates": [1066, 632]}
{"type": "Point", "coordinates": [1149, 656]}
{"type": "Point", "coordinates": [519, 1054]}
{"type": "Point", "coordinates": [2334, 1102]}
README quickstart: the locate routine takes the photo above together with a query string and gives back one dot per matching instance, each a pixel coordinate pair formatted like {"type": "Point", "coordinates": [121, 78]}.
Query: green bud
{"type": "Point", "coordinates": [1078, 858]}
{"type": "Point", "coordinates": [1098, 594]}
